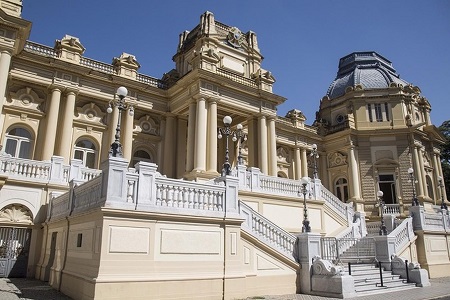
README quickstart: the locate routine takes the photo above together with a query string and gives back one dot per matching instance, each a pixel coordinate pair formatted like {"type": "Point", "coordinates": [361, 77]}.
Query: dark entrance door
{"type": "Point", "coordinates": [14, 250]}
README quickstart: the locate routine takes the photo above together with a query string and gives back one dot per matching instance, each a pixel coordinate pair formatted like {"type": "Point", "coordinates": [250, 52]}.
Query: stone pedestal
{"type": "Point", "coordinates": [308, 245]}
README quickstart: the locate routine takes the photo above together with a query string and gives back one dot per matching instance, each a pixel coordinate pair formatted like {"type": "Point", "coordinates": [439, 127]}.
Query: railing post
{"type": "Point", "coordinates": [417, 213]}
{"type": "Point", "coordinates": [361, 217]}
{"type": "Point", "coordinates": [349, 268]}
{"type": "Point", "coordinates": [114, 180]}
{"type": "Point", "coordinates": [381, 274]}
{"type": "Point", "coordinates": [56, 172]}
{"type": "Point", "coordinates": [75, 170]}
{"type": "Point", "coordinates": [407, 271]}
{"type": "Point", "coordinates": [254, 179]}
{"type": "Point", "coordinates": [242, 176]}
{"type": "Point", "coordinates": [316, 188]}
{"type": "Point", "coordinates": [146, 191]}
{"type": "Point", "coordinates": [231, 195]}
{"type": "Point", "coordinates": [384, 249]}
{"type": "Point", "coordinates": [308, 246]}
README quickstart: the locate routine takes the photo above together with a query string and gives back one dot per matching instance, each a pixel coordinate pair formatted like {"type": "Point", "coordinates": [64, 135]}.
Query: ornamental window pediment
{"type": "Point", "coordinates": [16, 213]}
{"type": "Point", "coordinates": [147, 125]}
{"type": "Point", "coordinates": [26, 99]}
{"type": "Point", "coordinates": [337, 159]}
{"type": "Point", "coordinates": [90, 113]}
{"type": "Point", "coordinates": [283, 155]}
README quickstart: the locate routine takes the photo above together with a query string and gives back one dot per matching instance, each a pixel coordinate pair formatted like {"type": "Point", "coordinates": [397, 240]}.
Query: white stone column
{"type": "Point", "coordinates": [66, 143]}
{"type": "Point", "coordinates": [169, 147]}
{"type": "Point", "coordinates": [127, 135]}
{"type": "Point", "coordinates": [272, 147]}
{"type": "Point", "coordinates": [5, 61]}
{"type": "Point", "coordinates": [354, 172]}
{"type": "Point", "coordinates": [52, 123]}
{"type": "Point", "coordinates": [439, 166]}
{"type": "Point", "coordinates": [418, 172]}
{"type": "Point", "coordinates": [262, 151]}
{"type": "Point", "coordinates": [200, 136]}
{"type": "Point", "coordinates": [297, 164]}
{"type": "Point", "coordinates": [436, 175]}
{"type": "Point", "coordinates": [212, 136]}
{"type": "Point", "coordinates": [423, 177]}
{"type": "Point", "coordinates": [191, 136]}
{"type": "Point", "coordinates": [182, 128]}
{"type": "Point", "coordinates": [304, 162]}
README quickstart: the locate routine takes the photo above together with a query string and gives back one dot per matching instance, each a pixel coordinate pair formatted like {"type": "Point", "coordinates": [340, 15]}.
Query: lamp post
{"type": "Point", "coordinates": [415, 202]}
{"type": "Point", "coordinates": [226, 131]}
{"type": "Point", "coordinates": [122, 92]}
{"type": "Point", "coordinates": [240, 137]}
{"type": "Point", "coordinates": [383, 230]}
{"type": "Point", "coordinates": [441, 185]}
{"type": "Point", "coordinates": [315, 155]}
{"type": "Point", "coordinates": [305, 228]}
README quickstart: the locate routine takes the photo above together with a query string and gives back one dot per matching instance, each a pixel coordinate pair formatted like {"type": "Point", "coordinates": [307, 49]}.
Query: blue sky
{"type": "Point", "coordinates": [301, 41]}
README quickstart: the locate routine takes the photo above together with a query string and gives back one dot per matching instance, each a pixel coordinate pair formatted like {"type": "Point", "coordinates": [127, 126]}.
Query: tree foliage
{"type": "Point", "coordinates": [445, 155]}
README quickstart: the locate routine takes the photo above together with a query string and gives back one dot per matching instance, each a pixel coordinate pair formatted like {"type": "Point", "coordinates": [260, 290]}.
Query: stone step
{"type": "Point", "coordinates": [385, 289]}
{"type": "Point", "coordinates": [367, 280]}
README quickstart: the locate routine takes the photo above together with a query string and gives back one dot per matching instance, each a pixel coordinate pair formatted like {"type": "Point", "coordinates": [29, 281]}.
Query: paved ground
{"type": "Point", "coordinates": [30, 289]}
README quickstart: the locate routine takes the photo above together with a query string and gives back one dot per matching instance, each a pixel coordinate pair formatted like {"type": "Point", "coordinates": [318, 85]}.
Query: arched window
{"type": "Point", "coordinates": [141, 155]}
{"type": "Point", "coordinates": [19, 142]}
{"type": "Point", "coordinates": [341, 189]}
{"type": "Point", "coordinates": [85, 151]}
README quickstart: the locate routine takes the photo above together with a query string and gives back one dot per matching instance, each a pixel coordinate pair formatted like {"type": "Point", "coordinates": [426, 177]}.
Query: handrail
{"type": "Point", "coordinates": [266, 231]}
{"type": "Point", "coordinates": [403, 234]}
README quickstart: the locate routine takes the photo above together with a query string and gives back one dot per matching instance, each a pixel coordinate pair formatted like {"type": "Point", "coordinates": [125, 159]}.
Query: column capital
{"type": "Point", "coordinates": [71, 90]}
{"type": "Point", "coordinates": [199, 97]}
{"type": "Point", "coordinates": [213, 99]}
{"type": "Point", "coordinates": [56, 86]}
{"type": "Point", "coordinates": [4, 51]}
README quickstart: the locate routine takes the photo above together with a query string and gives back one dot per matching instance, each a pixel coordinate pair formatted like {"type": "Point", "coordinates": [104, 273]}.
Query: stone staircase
{"type": "Point", "coordinates": [358, 251]}
{"type": "Point", "coordinates": [368, 279]}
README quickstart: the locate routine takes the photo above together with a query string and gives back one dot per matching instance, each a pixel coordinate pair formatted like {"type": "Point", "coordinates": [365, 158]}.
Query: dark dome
{"type": "Point", "coordinates": [369, 69]}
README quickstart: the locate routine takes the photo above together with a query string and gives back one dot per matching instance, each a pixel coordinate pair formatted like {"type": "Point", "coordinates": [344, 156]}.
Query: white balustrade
{"type": "Point", "coordinates": [25, 169]}
{"type": "Point", "coordinates": [266, 231]}
{"type": "Point", "coordinates": [190, 195]}
{"type": "Point", "coordinates": [392, 209]}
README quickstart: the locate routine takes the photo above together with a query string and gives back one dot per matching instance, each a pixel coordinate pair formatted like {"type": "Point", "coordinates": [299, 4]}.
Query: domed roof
{"type": "Point", "coordinates": [368, 69]}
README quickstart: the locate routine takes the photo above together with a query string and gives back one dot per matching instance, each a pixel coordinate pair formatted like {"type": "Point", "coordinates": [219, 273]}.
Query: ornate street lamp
{"type": "Point", "coordinates": [441, 185]}
{"type": "Point", "coordinates": [380, 204]}
{"type": "Point", "coordinates": [240, 137]}
{"type": "Point", "coordinates": [306, 227]}
{"type": "Point", "coordinates": [315, 155]}
{"type": "Point", "coordinates": [122, 92]}
{"type": "Point", "coordinates": [412, 179]}
{"type": "Point", "coordinates": [226, 131]}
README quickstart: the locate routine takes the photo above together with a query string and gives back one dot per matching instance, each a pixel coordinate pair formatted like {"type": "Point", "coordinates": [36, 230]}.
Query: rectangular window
{"type": "Point", "coordinates": [369, 110]}
{"type": "Point", "coordinates": [24, 151]}
{"type": "Point", "coordinates": [386, 109]}
{"type": "Point", "coordinates": [79, 240]}
{"type": "Point", "coordinates": [378, 112]}
{"type": "Point", "coordinates": [11, 146]}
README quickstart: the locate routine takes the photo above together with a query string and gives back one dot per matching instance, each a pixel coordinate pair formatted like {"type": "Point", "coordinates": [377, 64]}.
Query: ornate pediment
{"type": "Point", "coordinates": [16, 213]}
{"type": "Point", "coordinates": [336, 159]}
{"type": "Point", "coordinates": [147, 125]}
{"type": "Point", "coordinates": [90, 113]}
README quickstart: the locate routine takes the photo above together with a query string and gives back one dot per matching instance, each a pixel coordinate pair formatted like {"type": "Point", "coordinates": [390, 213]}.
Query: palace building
{"type": "Point", "coordinates": [115, 184]}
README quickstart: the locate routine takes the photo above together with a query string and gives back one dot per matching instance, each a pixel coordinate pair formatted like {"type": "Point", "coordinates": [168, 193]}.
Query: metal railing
{"type": "Point", "coordinates": [336, 249]}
